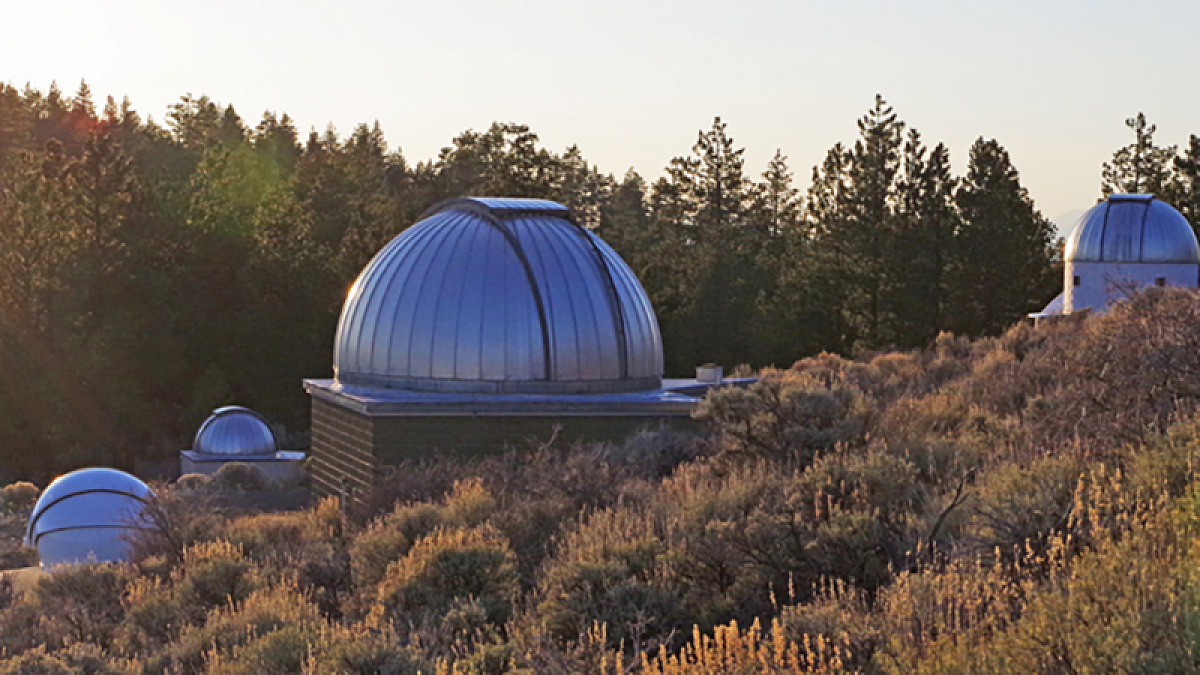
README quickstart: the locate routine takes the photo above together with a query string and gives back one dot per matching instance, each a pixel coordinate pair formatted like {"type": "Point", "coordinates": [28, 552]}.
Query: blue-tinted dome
{"type": "Point", "coordinates": [234, 430]}
{"type": "Point", "coordinates": [1133, 229]}
{"type": "Point", "coordinates": [498, 296]}
{"type": "Point", "coordinates": [87, 514]}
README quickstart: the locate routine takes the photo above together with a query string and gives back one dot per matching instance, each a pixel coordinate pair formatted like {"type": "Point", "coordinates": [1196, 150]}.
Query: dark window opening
{"type": "Point", "coordinates": [1077, 280]}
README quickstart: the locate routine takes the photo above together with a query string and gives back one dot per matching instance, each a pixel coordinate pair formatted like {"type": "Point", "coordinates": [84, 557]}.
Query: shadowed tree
{"type": "Point", "coordinates": [1005, 263]}
{"type": "Point", "coordinates": [701, 211]}
{"type": "Point", "coordinates": [1140, 167]}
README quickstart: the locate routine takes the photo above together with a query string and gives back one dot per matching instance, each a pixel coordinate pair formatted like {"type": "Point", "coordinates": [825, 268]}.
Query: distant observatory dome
{"type": "Point", "coordinates": [87, 515]}
{"type": "Point", "coordinates": [234, 430]}
{"type": "Point", "coordinates": [1133, 229]}
{"type": "Point", "coordinates": [498, 296]}
{"type": "Point", "coordinates": [1122, 245]}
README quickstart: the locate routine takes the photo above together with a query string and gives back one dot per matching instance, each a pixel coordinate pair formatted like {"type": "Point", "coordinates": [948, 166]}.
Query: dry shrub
{"type": "Point", "coordinates": [732, 651]}
{"type": "Point", "coordinates": [306, 545]}
{"type": "Point", "coordinates": [240, 477]}
{"type": "Point", "coordinates": [267, 633]}
{"type": "Point", "coordinates": [194, 482]}
{"type": "Point", "coordinates": [80, 603]}
{"type": "Point", "coordinates": [444, 568]}
{"type": "Point", "coordinates": [653, 454]}
{"type": "Point", "coordinates": [540, 490]}
{"type": "Point", "coordinates": [356, 650]}
{"type": "Point", "coordinates": [19, 496]}
{"type": "Point", "coordinates": [921, 611]}
{"type": "Point", "coordinates": [1024, 507]}
{"type": "Point", "coordinates": [214, 574]}
{"type": "Point", "coordinates": [77, 659]}
{"type": "Point", "coordinates": [1121, 377]}
{"type": "Point", "coordinates": [1166, 464]}
{"type": "Point", "coordinates": [831, 370]}
{"type": "Point", "coordinates": [1117, 594]}
{"type": "Point", "coordinates": [172, 521]}
{"type": "Point", "coordinates": [839, 613]}
{"type": "Point", "coordinates": [390, 537]}
{"type": "Point", "coordinates": [726, 535]}
{"type": "Point", "coordinates": [408, 483]}
{"type": "Point", "coordinates": [784, 414]}
{"type": "Point", "coordinates": [610, 570]}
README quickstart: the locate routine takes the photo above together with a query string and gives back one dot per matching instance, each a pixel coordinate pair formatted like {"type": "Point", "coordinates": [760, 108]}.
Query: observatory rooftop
{"type": "Point", "coordinates": [498, 296]}
{"type": "Point", "coordinates": [235, 431]}
{"type": "Point", "coordinates": [1133, 229]}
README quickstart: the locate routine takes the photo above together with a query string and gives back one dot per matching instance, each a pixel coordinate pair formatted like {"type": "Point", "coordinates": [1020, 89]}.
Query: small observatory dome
{"type": "Point", "coordinates": [234, 430]}
{"type": "Point", "coordinates": [87, 515]}
{"type": "Point", "coordinates": [1133, 229]}
{"type": "Point", "coordinates": [498, 296]}
{"type": "Point", "coordinates": [1123, 244]}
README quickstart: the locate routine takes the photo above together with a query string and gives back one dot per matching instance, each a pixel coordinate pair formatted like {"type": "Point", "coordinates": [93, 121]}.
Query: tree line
{"type": "Point", "coordinates": [151, 271]}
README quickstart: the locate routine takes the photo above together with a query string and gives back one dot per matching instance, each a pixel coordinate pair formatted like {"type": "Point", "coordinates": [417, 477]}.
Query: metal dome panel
{"type": "Point", "coordinates": [234, 430]}
{"type": "Point", "coordinates": [498, 296]}
{"type": "Point", "coordinates": [1133, 229]}
{"type": "Point", "coordinates": [86, 514]}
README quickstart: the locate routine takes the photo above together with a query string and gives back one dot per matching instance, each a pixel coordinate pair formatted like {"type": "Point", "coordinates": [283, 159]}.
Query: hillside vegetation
{"type": "Point", "coordinates": [1017, 504]}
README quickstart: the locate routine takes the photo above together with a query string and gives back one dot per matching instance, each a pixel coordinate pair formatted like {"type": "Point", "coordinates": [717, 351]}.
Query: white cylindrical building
{"type": "Point", "coordinates": [1124, 244]}
{"type": "Point", "coordinates": [87, 515]}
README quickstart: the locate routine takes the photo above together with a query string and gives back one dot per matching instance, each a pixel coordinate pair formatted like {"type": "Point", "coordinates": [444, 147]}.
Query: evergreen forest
{"type": "Point", "coordinates": [150, 272]}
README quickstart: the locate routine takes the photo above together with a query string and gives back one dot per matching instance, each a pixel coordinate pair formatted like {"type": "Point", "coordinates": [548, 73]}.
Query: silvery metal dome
{"type": "Point", "coordinates": [498, 296]}
{"type": "Point", "coordinates": [1133, 229]}
{"type": "Point", "coordinates": [87, 515]}
{"type": "Point", "coordinates": [234, 430]}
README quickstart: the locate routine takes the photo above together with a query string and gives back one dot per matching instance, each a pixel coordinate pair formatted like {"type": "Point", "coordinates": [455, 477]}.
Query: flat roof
{"type": "Point", "coordinates": [375, 401]}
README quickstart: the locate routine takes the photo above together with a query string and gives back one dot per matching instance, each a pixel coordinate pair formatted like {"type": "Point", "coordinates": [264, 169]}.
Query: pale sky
{"type": "Point", "coordinates": [633, 82]}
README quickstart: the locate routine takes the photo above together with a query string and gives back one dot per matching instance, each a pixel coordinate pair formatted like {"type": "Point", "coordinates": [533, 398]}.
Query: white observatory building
{"type": "Point", "coordinates": [1120, 246]}
{"type": "Point", "coordinates": [489, 322]}
{"type": "Point", "coordinates": [87, 515]}
{"type": "Point", "coordinates": [237, 434]}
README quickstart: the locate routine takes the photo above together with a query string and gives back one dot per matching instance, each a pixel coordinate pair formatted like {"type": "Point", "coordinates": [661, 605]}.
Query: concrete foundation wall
{"type": "Point", "coordinates": [274, 469]}
{"type": "Point", "coordinates": [352, 445]}
{"type": "Point", "coordinates": [343, 445]}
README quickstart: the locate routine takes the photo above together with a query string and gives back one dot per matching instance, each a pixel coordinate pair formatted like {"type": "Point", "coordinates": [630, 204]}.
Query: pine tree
{"type": "Point", "coordinates": [1185, 188]}
{"type": "Point", "coordinates": [856, 226]}
{"type": "Point", "coordinates": [1140, 167]}
{"type": "Point", "coordinates": [1005, 261]}
{"type": "Point", "coordinates": [786, 325]}
{"type": "Point", "coordinates": [700, 210]}
{"type": "Point", "coordinates": [927, 223]}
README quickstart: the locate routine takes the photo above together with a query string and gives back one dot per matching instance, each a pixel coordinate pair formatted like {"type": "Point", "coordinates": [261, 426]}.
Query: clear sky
{"type": "Point", "coordinates": [633, 82]}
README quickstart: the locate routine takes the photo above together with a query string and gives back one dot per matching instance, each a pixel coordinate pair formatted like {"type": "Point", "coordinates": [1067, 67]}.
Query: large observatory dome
{"type": "Point", "coordinates": [235, 431]}
{"type": "Point", "coordinates": [498, 296]}
{"type": "Point", "coordinates": [1133, 229]}
{"type": "Point", "coordinates": [86, 515]}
